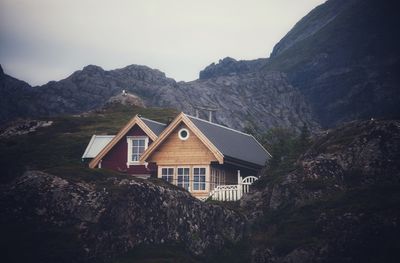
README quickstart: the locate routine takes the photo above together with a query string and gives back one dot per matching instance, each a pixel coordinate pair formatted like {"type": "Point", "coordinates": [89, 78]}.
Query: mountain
{"type": "Point", "coordinates": [264, 97]}
{"type": "Point", "coordinates": [340, 203]}
{"type": "Point", "coordinates": [230, 66]}
{"type": "Point", "coordinates": [344, 58]}
{"type": "Point", "coordinates": [15, 98]}
{"type": "Point", "coordinates": [338, 63]}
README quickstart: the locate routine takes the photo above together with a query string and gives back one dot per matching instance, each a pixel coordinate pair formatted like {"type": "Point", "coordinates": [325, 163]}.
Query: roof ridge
{"type": "Point", "coordinates": [219, 125]}
{"type": "Point", "coordinates": [143, 118]}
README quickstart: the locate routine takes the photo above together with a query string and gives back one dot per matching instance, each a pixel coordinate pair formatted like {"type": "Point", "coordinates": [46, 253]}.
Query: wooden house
{"type": "Point", "coordinates": [123, 151]}
{"type": "Point", "coordinates": [192, 153]}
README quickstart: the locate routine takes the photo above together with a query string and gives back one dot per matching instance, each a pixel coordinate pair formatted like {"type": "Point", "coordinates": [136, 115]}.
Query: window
{"type": "Point", "coordinates": [199, 179]}
{"type": "Point", "coordinates": [183, 134]}
{"type": "Point", "coordinates": [136, 147]}
{"type": "Point", "coordinates": [167, 174]}
{"type": "Point", "coordinates": [183, 177]}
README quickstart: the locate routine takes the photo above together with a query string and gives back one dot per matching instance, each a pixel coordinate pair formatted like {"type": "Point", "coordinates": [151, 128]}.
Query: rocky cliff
{"type": "Point", "coordinates": [341, 204]}
{"type": "Point", "coordinates": [45, 218]}
{"type": "Point", "coordinates": [266, 97]}
{"type": "Point", "coordinates": [230, 66]}
{"type": "Point", "coordinates": [344, 58]}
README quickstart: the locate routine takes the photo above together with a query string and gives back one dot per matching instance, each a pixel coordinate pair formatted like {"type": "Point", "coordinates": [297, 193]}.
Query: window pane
{"type": "Point", "coordinates": [141, 149]}
{"type": "Point", "coordinates": [202, 179]}
{"type": "Point", "coordinates": [203, 171]}
{"type": "Point", "coordinates": [180, 170]}
{"type": "Point", "coordinates": [186, 171]}
{"type": "Point", "coordinates": [170, 171]}
{"type": "Point", "coordinates": [196, 171]}
{"type": "Point", "coordinates": [135, 142]}
{"type": "Point", "coordinates": [141, 143]}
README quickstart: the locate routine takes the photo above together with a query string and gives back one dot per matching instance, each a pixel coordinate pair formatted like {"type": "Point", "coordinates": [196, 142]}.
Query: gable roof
{"type": "Point", "coordinates": [222, 141]}
{"type": "Point", "coordinates": [137, 120]}
{"type": "Point", "coordinates": [96, 144]}
{"type": "Point", "coordinates": [233, 143]}
{"type": "Point", "coordinates": [164, 135]}
{"type": "Point", "coordinates": [155, 126]}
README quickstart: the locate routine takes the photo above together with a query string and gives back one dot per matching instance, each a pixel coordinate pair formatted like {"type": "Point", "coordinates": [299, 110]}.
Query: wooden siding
{"type": "Point", "coordinates": [116, 158]}
{"type": "Point", "coordinates": [174, 151]}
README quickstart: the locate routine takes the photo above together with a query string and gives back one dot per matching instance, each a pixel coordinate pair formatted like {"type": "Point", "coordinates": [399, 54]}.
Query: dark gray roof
{"type": "Point", "coordinates": [232, 143]}
{"type": "Point", "coordinates": [156, 127]}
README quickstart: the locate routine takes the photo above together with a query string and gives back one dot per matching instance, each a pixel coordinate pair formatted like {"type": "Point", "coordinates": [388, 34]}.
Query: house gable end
{"type": "Point", "coordinates": [182, 121]}
{"type": "Point", "coordinates": [136, 121]}
{"type": "Point", "coordinates": [175, 150]}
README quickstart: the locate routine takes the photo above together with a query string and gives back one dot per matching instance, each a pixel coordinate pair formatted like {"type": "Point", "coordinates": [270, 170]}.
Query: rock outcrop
{"type": "Point", "coordinates": [344, 58]}
{"type": "Point", "coordinates": [340, 205]}
{"type": "Point", "coordinates": [100, 221]}
{"type": "Point", "coordinates": [23, 127]}
{"type": "Point", "coordinates": [230, 66]}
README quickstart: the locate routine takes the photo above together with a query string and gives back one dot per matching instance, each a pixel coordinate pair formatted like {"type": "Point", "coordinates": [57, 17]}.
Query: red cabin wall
{"type": "Point", "coordinates": [116, 158]}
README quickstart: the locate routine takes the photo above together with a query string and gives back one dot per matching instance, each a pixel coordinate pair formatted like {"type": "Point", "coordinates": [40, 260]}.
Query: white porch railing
{"type": "Point", "coordinates": [233, 192]}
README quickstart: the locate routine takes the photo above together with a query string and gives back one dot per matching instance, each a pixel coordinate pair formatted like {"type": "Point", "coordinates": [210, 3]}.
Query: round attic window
{"type": "Point", "coordinates": [183, 134]}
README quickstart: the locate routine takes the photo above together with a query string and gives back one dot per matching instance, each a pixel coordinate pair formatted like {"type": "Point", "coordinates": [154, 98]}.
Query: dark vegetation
{"type": "Point", "coordinates": [353, 212]}
{"type": "Point", "coordinates": [58, 149]}
{"type": "Point", "coordinates": [285, 146]}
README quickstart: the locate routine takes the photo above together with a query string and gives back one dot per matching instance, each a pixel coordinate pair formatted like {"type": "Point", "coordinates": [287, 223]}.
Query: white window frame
{"type": "Point", "coordinates": [160, 174]}
{"type": "Point", "coordinates": [205, 180]}
{"type": "Point", "coordinates": [183, 182]}
{"type": "Point", "coordinates": [183, 138]}
{"type": "Point", "coordinates": [129, 141]}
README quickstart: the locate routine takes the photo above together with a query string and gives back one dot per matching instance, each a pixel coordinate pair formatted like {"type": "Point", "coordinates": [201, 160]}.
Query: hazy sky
{"type": "Point", "coordinates": [43, 40]}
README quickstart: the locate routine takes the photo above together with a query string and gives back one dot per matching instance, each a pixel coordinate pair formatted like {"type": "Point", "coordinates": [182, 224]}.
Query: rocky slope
{"type": "Point", "coordinates": [266, 98]}
{"type": "Point", "coordinates": [344, 58]}
{"type": "Point", "coordinates": [45, 218]}
{"type": "Point", "coordinates": [230, 66]}
{"type": "Point", "coordinates": [14, 98]}
{"type": "Point", "coordinates": [340, 205]}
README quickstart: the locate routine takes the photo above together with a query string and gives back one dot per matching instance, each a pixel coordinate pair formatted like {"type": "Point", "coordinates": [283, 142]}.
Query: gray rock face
{"type": "Point", "coordinates": [310, 24]}
{"type": "Point", "coordinates": [23, 127]}
{"type": "Point", "coordinates": [344, 195]}
{"type": "Point", "coordinates": [229, 67]}
{"type": "Point", "coordinates": [264, 98]}
{"type": "Point", "coordinates": [344, 58]}
{"type": "Point", "coordinates": [107, 220]}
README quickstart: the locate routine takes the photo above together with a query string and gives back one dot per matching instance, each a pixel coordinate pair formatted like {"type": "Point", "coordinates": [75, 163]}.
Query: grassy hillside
{"type": "Point", "coordinates": [58, 149]}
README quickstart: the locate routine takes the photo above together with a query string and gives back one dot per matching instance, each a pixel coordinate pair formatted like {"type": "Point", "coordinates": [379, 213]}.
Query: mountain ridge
{"type": "Point", "coordinates": [92, 87]}
{"type": "Point", "coordinates": [338, 63]}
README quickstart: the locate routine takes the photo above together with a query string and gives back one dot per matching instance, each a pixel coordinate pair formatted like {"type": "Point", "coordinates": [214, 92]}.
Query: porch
{"type": "Point", "coordinates": [232, 192]}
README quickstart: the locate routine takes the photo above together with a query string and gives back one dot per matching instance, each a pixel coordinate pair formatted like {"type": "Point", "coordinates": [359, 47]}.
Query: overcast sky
{"type": "Point", "coordinates": [43, 40]}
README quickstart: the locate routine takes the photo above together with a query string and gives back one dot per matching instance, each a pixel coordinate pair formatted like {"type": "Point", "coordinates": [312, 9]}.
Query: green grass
{"type": "Point", "coordinates": [58, 148]}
